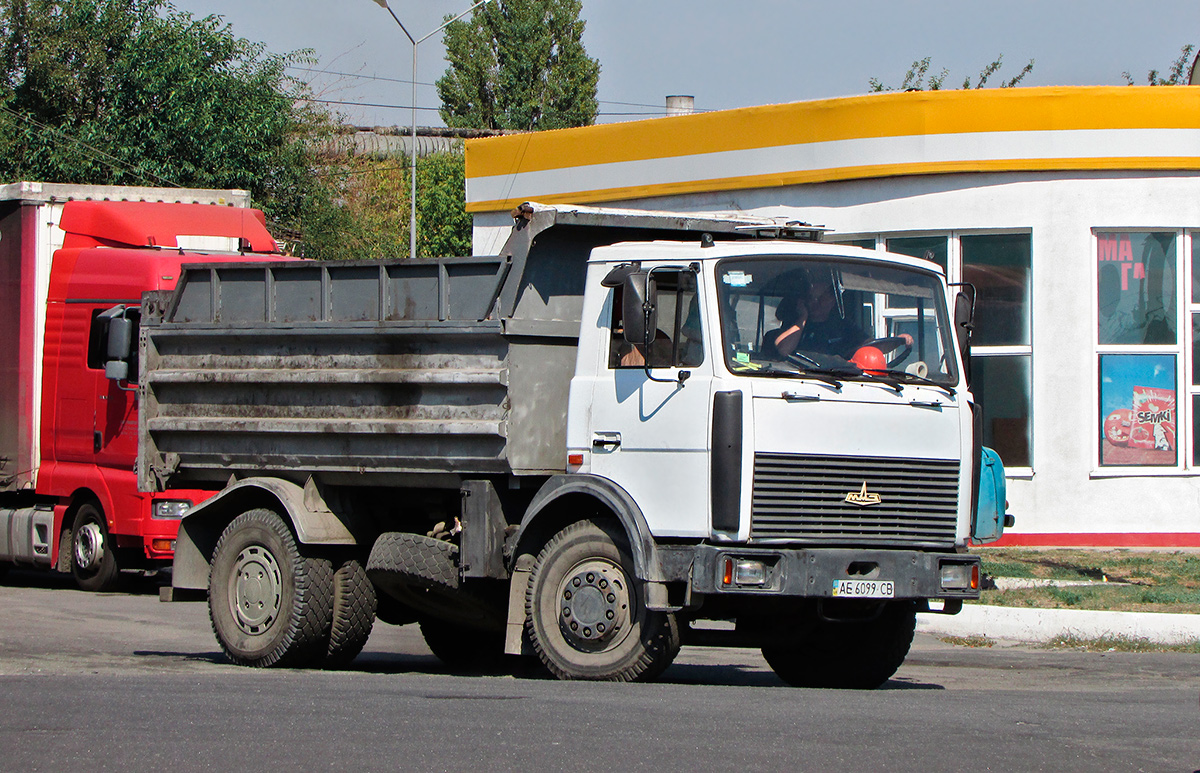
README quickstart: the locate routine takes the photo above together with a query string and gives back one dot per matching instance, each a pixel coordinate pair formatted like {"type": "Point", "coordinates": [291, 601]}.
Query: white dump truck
{"type": "Point", "coordinates": [628, 432]}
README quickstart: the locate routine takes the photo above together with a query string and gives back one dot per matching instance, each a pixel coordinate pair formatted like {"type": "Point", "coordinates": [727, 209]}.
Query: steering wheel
{"type": "Point", "coordinates": [890, 343]}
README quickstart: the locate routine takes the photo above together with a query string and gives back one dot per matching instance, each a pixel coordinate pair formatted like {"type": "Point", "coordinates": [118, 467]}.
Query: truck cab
{"type": "Point", "coordinates": [77, 508]}
{"type": "Point", "coordinates": [881, 416]}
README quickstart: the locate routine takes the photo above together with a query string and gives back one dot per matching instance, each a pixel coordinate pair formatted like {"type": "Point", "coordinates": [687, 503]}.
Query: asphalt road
{"type": "Point", "coordinates": [124, 682]}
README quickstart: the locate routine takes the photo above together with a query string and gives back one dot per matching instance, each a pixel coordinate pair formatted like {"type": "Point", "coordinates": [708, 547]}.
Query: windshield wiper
{"type": "Point", "coordinates": [913, 378]}
{"type": "Point", "coordinates": [817, 374]}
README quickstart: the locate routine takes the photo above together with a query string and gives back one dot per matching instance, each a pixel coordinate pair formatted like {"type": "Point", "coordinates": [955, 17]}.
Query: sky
{"type": "Point", "coordinates": [730, 54]}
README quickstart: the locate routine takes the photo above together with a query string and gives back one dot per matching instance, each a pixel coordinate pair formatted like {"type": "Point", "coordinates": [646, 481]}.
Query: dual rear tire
{"type": "Point", "coordinates": [273, 604]}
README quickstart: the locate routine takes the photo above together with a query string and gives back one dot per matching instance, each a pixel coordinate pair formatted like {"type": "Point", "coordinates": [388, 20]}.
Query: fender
{"type": "Point", "coordinates": [311, 519]}
{"type": "Point", "coordinates": [646, 561]}
{"type": "Point", "coordinates": [648, 566]}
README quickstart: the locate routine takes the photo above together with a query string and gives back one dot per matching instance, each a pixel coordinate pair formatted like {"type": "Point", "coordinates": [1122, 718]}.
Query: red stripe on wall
{"type": "Point", "coordinates": [1157, 540]}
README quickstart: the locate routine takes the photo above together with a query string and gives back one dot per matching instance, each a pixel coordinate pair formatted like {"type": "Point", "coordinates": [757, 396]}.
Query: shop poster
{"type": "Point", "coordinates": [1138, 410]}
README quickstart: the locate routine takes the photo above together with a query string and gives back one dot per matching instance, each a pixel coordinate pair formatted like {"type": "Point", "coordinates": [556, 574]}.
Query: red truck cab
{"type": "Point", "coordinates": [113, 251]}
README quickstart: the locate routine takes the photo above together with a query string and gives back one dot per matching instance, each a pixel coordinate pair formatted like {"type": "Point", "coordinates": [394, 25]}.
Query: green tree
{"type": "Point", "coordinates": [519, 64]}
{"type": "Point", "coordinates": [1177, 75]}
{"type": "Point", "coordinates": [133, 92]}
{"type": "Point", "coordinates": [914, 79]}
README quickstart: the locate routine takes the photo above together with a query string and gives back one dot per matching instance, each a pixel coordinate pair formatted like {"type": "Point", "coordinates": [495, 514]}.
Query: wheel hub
{"type": "Point", "coordinates": [257, 589]}
{"type": "Point", "coordinates": [593, 603]}
{"type": "Point", "coordinates": [89, 546]}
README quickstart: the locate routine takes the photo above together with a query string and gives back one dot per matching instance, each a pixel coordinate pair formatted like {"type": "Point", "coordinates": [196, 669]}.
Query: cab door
{"type": "Point", "coordinates": [650, 428]}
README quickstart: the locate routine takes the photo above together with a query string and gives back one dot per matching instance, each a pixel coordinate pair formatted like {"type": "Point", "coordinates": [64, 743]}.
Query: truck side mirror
{"type": "Point", "coordinates": [118, 344]}
{"type": "Point", "coordinates": [964, 315]}
{"type": "Point", "coordinates": [639, 309]}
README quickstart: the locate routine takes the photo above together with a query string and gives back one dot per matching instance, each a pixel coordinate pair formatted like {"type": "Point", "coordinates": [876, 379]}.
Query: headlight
{"type": "Point", "coordinates": [960, 576]}
{"type": "Point", "coordinates": [171, 508]}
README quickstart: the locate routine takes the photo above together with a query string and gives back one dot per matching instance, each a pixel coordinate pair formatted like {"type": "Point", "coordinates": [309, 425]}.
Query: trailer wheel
{"type": "Point", "coordinates": [93, 562]}
{"type": "Point", "coordinates": [584, 610]}
{"type": "Point", "coordinates": [463, 648]}
{"type": "Point", "coordinates": [848, 655]}
{"type": "Point", "coordinates": [270, 605]}
{"type": "Point", "coordinates": [353, 614]}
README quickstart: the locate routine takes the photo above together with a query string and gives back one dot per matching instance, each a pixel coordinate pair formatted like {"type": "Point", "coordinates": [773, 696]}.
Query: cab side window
{"type": "Point", "coordinates": [678, 342]}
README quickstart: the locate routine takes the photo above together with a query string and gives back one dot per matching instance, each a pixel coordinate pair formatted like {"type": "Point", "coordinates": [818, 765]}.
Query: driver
{"type": "Point", "coordinates": [809, 323]}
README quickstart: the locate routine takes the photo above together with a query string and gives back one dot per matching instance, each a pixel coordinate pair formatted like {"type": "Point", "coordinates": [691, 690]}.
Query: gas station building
{"type": "Point", "coordinates": [1075, 212]}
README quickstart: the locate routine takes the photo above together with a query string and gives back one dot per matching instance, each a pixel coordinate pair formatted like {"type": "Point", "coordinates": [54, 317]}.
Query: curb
{"type": "Point", "coordinates": [1042, 625]}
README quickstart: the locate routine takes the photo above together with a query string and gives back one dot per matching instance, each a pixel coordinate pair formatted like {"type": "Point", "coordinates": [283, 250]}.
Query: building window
{"type": "Point", "coordinates": [1194, 390]}
{"type": "Point", "coordinates": [1138, 348]}
{"type": "Point", "coordinates": [999, 266]}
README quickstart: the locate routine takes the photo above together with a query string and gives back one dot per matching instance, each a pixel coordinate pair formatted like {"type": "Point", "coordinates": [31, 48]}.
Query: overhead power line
{"type": "Point", "coordinates": [364, 104]}
{"type": "Point", "coordinates": [112, 162]}
{"type": "Point", "coordinates": [423, 83]}
{"type": "Point", "coordinates": [409, 107]}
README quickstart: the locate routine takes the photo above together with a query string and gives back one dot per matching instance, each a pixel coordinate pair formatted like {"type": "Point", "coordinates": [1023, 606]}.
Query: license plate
{"type": "Point", "coordinates": [864, 589]}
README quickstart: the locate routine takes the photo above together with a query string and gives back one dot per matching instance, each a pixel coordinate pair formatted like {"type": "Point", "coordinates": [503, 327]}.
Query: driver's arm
{"type": "Point", "coordinates": [788, 339]}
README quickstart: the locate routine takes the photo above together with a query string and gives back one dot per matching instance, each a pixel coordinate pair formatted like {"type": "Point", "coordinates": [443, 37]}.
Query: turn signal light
{"type": "Point", "coordinates": [960, 576]}
{"type": "Point", "coordinates": [743, 571]}
{"type": "Point", "coordinates": [162, 544]}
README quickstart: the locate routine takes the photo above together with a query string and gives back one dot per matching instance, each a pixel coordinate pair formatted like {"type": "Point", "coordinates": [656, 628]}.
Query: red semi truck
{"type": "Point", "coordinates": [74, 262]}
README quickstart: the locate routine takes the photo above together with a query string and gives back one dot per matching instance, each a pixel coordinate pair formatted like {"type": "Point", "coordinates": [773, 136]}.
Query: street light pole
{"type": "Point", "coordinates": [412, 200]}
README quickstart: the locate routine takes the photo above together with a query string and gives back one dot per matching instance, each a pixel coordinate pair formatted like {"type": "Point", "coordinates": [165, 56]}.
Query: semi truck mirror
{"type": "Point", "coordinates": [116, 370]}
{"type": "Point", "coordinates": [639, 310]}
{"type": "Point", "coordinates": [120, 338]}
{"type": "Point", "coordinates": [119, 343]}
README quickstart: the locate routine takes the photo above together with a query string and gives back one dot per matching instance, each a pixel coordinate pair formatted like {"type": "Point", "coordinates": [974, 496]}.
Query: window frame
{"type": "Point", "coordinates": [1185, 307]}
{"type": "Point", "coordinates": [612, 360]}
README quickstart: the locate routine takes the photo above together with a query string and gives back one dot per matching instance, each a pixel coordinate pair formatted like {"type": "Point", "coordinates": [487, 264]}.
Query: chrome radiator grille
{"type": "Point", "coordinates": [803, 499]}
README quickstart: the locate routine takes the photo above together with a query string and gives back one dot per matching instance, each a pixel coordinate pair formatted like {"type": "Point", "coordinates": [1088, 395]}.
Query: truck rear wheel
{"type": "Point", "coordinates": [353, 614]}
{"type": "Point", "coordinates": [848, 655]}
{"type": "Point", "coordinates": [585, 614]}
{"type": "Point", "coordinates": [93, 562]}
{"type": "Point", "coordinates": [269, 604]}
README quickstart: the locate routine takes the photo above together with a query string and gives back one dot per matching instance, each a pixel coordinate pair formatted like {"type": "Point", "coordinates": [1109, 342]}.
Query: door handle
{"type": "Point", "coordinates": [607, 441]}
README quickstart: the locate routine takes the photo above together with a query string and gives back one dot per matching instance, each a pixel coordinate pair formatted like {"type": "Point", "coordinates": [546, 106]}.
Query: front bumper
{"type": "Point", "coordinates": [812, 573]}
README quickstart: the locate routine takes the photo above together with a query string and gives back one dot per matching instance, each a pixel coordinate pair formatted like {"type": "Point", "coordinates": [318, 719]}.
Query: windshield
{"type": "Point", "coordinates": [835, 316]}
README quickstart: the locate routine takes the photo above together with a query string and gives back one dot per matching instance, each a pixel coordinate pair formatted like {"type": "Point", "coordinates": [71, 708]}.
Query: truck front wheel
{"type": "Point", "coordinates": [856, 655]}
{"type": "Point", "coordinates": [270, 605]}
{"type": "Point", "coordinates": [93, 561]}
{"type": "Point", "coordinates": [585, 614]}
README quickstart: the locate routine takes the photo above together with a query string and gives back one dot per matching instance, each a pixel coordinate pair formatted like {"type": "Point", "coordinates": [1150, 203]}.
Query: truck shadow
{"type": "Point", "coordinates": [400, 664]}
{"type": "Point", "coordinates": [131, 584]}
